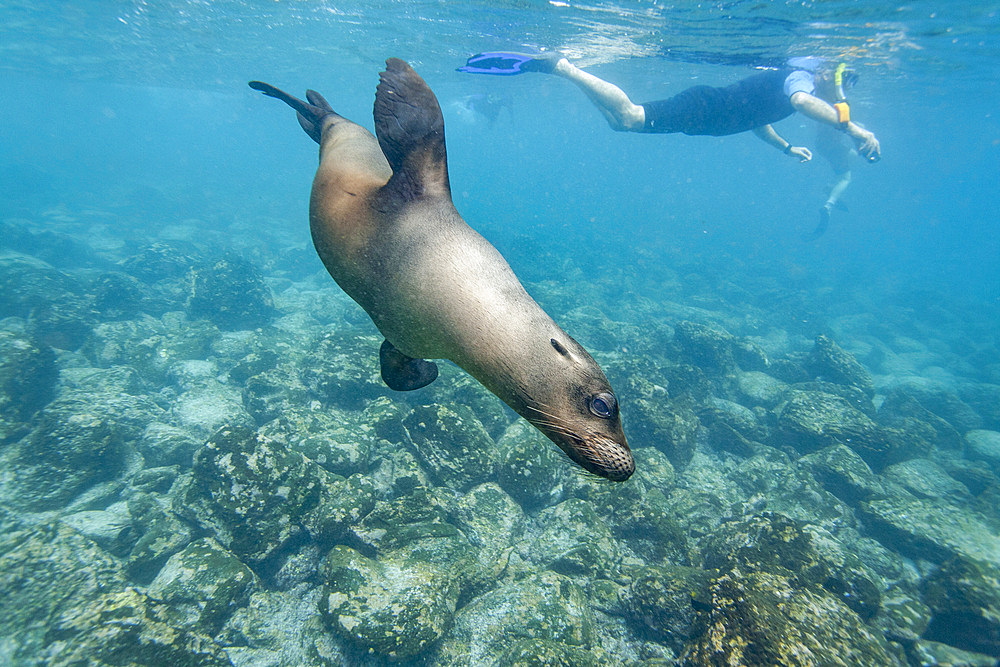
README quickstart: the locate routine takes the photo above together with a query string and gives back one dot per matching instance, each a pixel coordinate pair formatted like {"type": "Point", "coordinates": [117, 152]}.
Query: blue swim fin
{"type": "Point", "coordinates": [508, 63]}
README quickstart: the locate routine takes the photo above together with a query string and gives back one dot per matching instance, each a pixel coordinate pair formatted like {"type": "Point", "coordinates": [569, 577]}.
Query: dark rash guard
{"type": "Point", "coordinates": [753, 102]}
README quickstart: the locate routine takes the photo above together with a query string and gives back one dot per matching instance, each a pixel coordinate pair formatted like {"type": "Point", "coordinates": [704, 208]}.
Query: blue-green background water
{"type": "Point", "coordinates": [124, 124]}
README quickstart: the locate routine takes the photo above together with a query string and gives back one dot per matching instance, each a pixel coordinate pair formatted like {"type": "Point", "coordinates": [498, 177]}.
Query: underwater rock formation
{"type": "Point", "coordinates": [231, 293]}
{"type": "Point", "coordinates": [27, 382]}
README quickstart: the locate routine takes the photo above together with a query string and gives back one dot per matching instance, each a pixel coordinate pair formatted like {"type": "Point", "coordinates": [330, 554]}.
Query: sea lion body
{"type": "Point", "coordinates": [383, 222]}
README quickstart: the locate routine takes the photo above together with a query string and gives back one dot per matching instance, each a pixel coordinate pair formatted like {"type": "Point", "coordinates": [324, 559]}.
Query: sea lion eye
{"type": "Point", "coordinates": [603, 405]}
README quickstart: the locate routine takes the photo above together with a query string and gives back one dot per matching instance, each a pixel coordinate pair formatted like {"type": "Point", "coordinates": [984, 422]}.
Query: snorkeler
{"type": "Point", "coordinates": [806, 84]}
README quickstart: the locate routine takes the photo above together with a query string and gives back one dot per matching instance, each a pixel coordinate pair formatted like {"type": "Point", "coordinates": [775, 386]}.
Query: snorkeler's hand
{"type": "Point", "coordinates": [868, 145]}
{"type": "Point", "coordinates": [801, 152]}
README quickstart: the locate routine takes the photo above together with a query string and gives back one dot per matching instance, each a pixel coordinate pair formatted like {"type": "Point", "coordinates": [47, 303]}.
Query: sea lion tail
{"type": "Point", "coordinates": [310, 114]}
{"type": "Point", "coordinates": [410, 130]}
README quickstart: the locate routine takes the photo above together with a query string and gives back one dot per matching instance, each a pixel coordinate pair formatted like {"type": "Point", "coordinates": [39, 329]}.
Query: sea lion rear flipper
{"type": "Point", "coordinates": [310, 114]}
{"type": "Point", "coordinates": [410, 130]}
{"type": "Point", "coordinates": [403, 373]}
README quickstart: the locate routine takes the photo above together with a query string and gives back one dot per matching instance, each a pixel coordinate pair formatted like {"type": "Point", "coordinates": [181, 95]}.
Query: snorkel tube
{"type": "Point", "coordinates": [843, 111]}
{"type": "Point", "coordinates": [841, 106]}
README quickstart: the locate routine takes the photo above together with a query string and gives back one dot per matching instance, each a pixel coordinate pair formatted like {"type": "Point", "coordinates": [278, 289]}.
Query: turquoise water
{"type": "Point", "coordinates": [199, 463]}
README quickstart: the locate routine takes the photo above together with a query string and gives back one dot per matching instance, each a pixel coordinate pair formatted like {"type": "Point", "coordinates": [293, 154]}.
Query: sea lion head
{"type": "Point", "coordinates": [578, 411]}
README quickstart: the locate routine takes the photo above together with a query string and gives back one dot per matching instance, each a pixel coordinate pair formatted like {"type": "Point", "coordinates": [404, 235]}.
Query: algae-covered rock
{"type": "Point", "coordinates": [28, 377]}
{"type": "Point", "coordinates": [492, 521]}
{"type": "Point", "coordinates": [343, 371]}
{"type": "Point", "coordinates": [832, 363]}
{"type": "Point", "coordinates": [543, 606]}
{"type": "Point", "coordinates": [770, 478]}
{"type": "Point", "coordinates": [203, 584]}
{"type": "Point", "coordinates": [394, 608]}
{"type": "Point", "coordinates": [902, 409]}
{"type": "Point", "coordinates": [334, 439]}
{"type": "Point", "coordinates": [964, 595]}
{"type": "Point", "coordinates": [663, 602]}
{"type": "Point", "coordinates": [938, 400]}
{"type": "Point", "coordinates": [926, 479]}
{"type": "Point", "coordinates": [282, 628]}
{"type": "Point", "coordinates": [930, 529]}
{"type": "Point", "coordinates": [985, 400]}
{"type": "Point", "coordinates": [575, 541]}
{"type": "Point", "coordinates": [903, 617]}
{"type": "Point", "coordinates": [810, 421]}
{"type": "Point", "coordinates": [762, 618]}
{"type": "Point", "coordinates": [70, 450]}
{"type": "Point", "coordinates": [843, 473]}
{"type": "Point", "coordinates": [671, 427]}
{"type": "Point", "coordinates": [534, 652]}
{"type": "Point", "coordinates": [707, 346]}
{"type": "Point", "coordinates": [342, 504]}
{"type": "Point", "coordinates": [44, 569]}
{"type": "Point", "coordinates": [231, 293]}
{"type": "Point", "coordinates": [127, 627]}
{"type": "Point", "coordinates": [273, 392]}
{"type": "Point", "coordinates": [530, 468]}
{"type": "Point", "coordinates": [164, 445]}
{"type": "Point", "coordinates": [160, 260]}
{"type": "Point", "coordinates": [419, 515]}
{"type": "Point", "coordinates": [754, 388]}
{"type": "Point", "coordinates": [641, 517]}
{"type": "Point", "coordinates": [251, 491]}
{"type": "Point", "coordinates": [65, 602]}
{"type": "Point", "coordinates": [452, 445]}
{"type": "Point", "coordinates": [208, 407]}
{"type": "Point", "coordinates": [982, 445]}
{"type": "Point", "coordinates": [774, 543]}
{"type": "Point", "coordinates": [160, 535]}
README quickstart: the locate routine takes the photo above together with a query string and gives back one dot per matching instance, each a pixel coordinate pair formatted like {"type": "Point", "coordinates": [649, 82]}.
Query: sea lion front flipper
{"type": "Point", "coordinates": [410, 130]}
{"type": "Point", "coordinates": [403, 373]}
{"type": "Point", "coordinates": [310, 114]}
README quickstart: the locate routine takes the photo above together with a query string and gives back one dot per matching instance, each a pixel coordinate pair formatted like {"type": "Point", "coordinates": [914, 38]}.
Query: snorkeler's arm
{"type": "Point", "coordinates": [821, 112]}
{"type": "Point", "coordinates": [767, 134]}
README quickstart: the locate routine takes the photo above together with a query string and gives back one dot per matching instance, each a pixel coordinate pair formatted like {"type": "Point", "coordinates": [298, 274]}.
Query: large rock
{"type": "Point", "coordinates": [343, 371]}
{"type": "Point", "coordinates": [28, 377]}
{"type": "Point", "coordinates": [810, 421]}
{"type": "Point", "coordinates": [762, 618]}
{"type": "Point", "coordinates": [393, 607]}
{"type": "Point", "coordinates": [231, 293]}
{"type": "Point", "coordinates": [964, 595]}
{"type": "Point", "coordinates": [982, 445]}
{"type": "Point", "coordinates": [76, 444]}
{"type": "Point", "coordinates": [336, 440]}
{"type": "Point", "coordinates": [255, 494]}
{"type": "Point", "coordinates": [66, 602]}
{"type": "Point", "coordinates": [531, 469]}
{"type": "Point", "coordinates": [452, 445]}
{"type": "Point", "coordinates": [545, 606]}
{"type": "Point", "coordinates": [843, 473]}
{"type": "Point", "coordinates": [663, 602]}
{"type": "Point", "coordinates": [777, 544]}
{"type": "Point", "coordinates": [832, 363]}
{"type": "Point", "coordinates": [930, 529]}
{"type": "Point", "coordinates": [575, 541]}
{"type": "Point", "coordinates": [204, 584]}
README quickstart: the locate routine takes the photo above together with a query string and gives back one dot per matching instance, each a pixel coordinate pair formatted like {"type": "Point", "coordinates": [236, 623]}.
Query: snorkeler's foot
{"type": "Point", "coordinates": [824, 222]}
{"type": "Point", "coordinates": [509, 63]}
{"type": "Point", "coordinates": [542, 62]}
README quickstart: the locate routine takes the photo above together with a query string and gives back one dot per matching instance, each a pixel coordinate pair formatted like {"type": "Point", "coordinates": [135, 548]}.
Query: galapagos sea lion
{"type": "Point", "coordinates": [383, 222]}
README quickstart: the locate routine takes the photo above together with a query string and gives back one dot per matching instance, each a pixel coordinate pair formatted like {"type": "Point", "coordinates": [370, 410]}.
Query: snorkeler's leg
{"type": "Point", "coordinates": [621, 113]}
{"type": "Point", "coordinates": [843, 180]}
